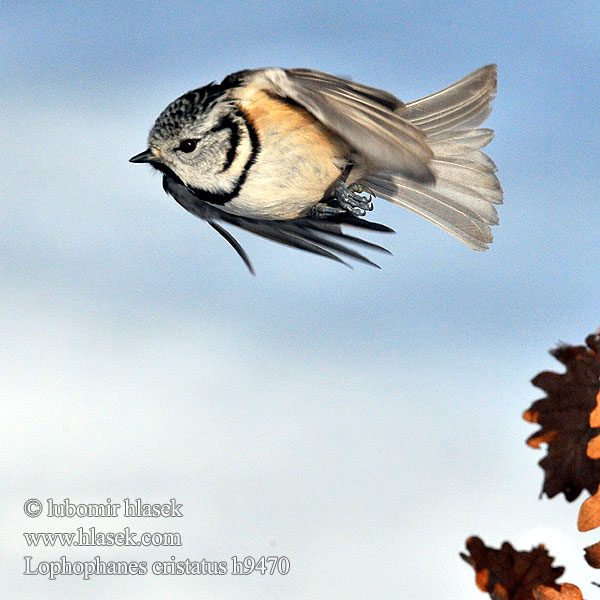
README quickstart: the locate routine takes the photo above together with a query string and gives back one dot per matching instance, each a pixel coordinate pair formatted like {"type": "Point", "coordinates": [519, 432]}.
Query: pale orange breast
{"type": "Point", "coordinates": [298, 161]}
{"type": "Point", "coordinates": [276, 116]}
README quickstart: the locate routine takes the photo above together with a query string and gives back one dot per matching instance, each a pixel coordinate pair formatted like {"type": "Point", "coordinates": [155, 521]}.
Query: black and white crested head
{"type": "Point", "coordinates": [184, 111]}
{"type": "Point", "coordinates": [204, 141]}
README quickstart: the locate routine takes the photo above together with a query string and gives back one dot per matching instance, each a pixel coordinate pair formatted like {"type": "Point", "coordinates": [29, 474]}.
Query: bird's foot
{"type": "Point", "coordinates": [350, 198]}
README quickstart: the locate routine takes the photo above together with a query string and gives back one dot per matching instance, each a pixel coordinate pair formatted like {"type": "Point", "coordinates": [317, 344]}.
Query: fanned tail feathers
{"type": "Point", "coordinates": [461, 201]}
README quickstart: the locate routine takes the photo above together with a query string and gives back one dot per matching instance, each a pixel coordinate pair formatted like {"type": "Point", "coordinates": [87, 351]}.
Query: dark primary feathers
{"type": "Point", "coordinates": [324, 237]}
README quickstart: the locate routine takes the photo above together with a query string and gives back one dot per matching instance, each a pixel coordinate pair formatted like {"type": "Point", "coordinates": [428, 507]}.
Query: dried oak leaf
{"type": "Point", "coordinates": [567, 591]}
{"type": "Point", "coordinates": [564, 416]}
{"type": "Point", "coordinates": [593, 449]}
{"type": "Point", "coordinates": [507, 574]}
{"type": "Point", "coordinates": [592, 555]}
{"type": "Point", "coordinates": [589, 513]}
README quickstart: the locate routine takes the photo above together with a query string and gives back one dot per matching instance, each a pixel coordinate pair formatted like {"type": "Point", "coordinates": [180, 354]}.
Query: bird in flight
{"type": "Point", "coordinates": [296, 156]}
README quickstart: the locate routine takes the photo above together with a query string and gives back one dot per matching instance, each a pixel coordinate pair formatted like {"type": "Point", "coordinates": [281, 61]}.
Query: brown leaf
{"type": "Point", "coordinates": [567, 591]}
{"type": "Point", "coordinates": [595, 416]}
{"type": "Point", "coordinates": [564, 416]}
{"type": "Point", "coordinates": [593, 449]}
{"type": "Point", "coordinates": [507, 574]}
{"type": "Point", "coordinates": [592, 555]}
{"type": "Point", "coordinates": [589, 513]}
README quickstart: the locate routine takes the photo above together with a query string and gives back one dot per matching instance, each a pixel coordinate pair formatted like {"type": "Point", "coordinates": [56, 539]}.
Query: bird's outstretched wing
{"type": "Point", "coordinates": [366, 117]}
{"type": "Point", "coordinates": [324, 237]}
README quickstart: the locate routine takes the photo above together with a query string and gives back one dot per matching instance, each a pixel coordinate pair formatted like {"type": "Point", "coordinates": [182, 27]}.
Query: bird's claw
{"type": "Point", "coordinates": [350, 198]}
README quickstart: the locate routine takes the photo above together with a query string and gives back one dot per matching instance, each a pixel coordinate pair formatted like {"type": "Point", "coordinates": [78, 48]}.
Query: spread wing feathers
{"type": "Point", "coordinates": [319, 78]}
{"type": "Point", "coordinates": [464, 104]}
{"type": "Point", "coordinates": [369, 119]}
{"type": "Point", "coordinates": [461, 201]}
{"type": "Point", "coordinates": [324, 237]}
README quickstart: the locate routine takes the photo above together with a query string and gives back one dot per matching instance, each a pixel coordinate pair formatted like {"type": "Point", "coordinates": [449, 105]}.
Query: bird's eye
{"type": "Point", "coordinates": [187, 145]}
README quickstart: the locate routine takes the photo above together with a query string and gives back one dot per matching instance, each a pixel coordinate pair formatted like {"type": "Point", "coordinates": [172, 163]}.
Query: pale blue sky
{"type": "Point", "coordinates": [364, 423]}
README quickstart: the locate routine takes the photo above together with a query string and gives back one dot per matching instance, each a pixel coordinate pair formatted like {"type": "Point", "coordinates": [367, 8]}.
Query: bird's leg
{"type": "Point", "coordinates": [345, 198]}
{"type": "Point", "coordinates": [322, 211]}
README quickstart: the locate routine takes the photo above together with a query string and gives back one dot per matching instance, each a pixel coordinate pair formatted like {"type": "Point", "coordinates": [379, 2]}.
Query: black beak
{"type": "Point", "coordinates": [143, 157]}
